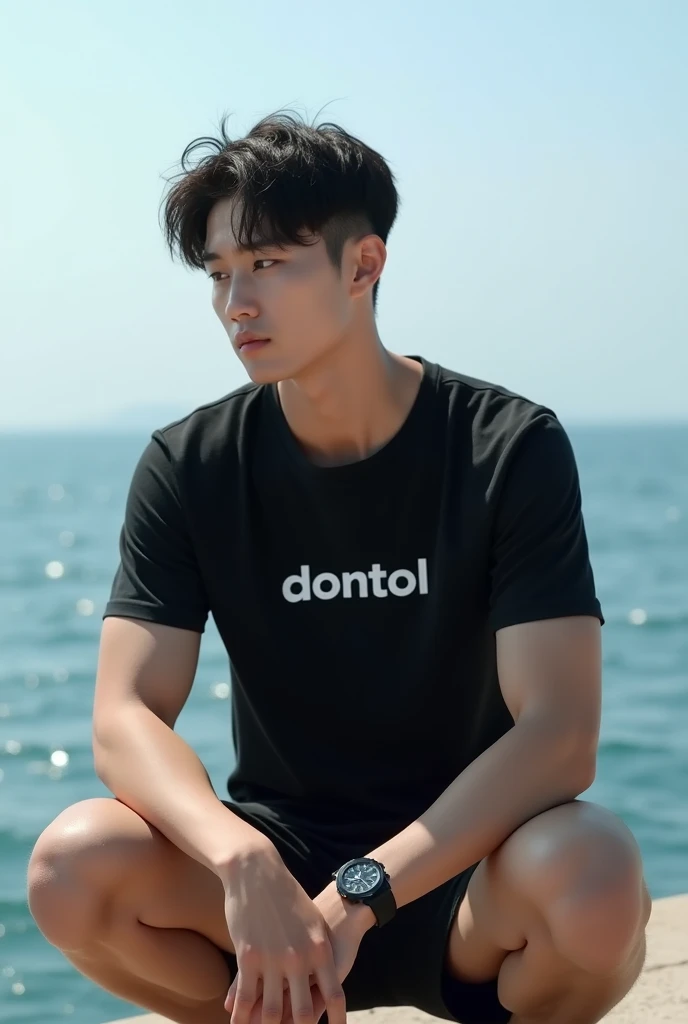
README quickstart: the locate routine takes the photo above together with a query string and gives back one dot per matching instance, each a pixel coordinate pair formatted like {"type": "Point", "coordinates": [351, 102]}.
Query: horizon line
{"type": "Point", "coordinates": [8, 430]}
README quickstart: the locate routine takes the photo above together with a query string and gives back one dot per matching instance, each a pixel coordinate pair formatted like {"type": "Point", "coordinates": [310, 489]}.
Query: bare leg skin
{"type": "Point", "coordinates": [132, 912]}
{"type": "Point", "coordinates": [557, 915]}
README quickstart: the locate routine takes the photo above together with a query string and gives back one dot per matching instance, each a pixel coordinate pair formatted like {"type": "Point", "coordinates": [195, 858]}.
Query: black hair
{"type": "Point", "coordinates": [292, 179]}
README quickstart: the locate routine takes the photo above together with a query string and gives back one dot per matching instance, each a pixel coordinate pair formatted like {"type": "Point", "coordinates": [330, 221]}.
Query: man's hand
{"type": "Point", "coordinates": [345, 925]}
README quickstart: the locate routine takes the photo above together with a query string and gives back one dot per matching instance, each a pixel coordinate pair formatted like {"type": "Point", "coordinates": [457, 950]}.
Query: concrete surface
{"type": "Point", "coordinates": [659, 997]}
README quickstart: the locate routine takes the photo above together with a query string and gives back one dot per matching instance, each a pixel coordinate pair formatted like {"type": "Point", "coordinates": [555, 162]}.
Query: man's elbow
{"type": "Point", "coordinates": [110, 737]}
{"type": "Point", "coordinates": [580, 760]}
{"type": "Point", "coordinates": [583, 774]}
{"type": "Point", "coordinates": [101, 758]}
{"type": "Point", "coordinates": [570, 752]}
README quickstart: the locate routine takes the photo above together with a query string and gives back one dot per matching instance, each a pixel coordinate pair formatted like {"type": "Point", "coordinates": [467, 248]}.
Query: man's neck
{"type": "Point", "coordinates": [351, 405]}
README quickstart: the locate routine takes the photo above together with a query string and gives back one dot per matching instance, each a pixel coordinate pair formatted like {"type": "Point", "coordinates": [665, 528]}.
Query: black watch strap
{"type": "Point", "coordinates": [383, 905]}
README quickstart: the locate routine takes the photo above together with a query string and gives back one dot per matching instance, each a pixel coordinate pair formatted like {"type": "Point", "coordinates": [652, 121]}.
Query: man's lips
{"type": "Point", "coordinates": [245, 341]}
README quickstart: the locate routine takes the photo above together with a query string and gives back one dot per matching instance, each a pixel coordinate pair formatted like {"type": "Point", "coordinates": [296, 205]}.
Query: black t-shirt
{"type": "Point", "coordinates": [359, 603]}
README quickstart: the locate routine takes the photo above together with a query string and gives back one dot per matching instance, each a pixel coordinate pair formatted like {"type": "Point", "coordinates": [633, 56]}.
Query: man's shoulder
{"type": "Point", "coordinates": [495, 414]}
{"type": "Point", "coordinates": [212, 427]}
{"type": "Point", "coordinates": [473, 389]}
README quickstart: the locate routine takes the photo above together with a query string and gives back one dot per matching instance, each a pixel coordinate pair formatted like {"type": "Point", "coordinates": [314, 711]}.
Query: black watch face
{"type": "Point", "coordinates": [361, 878]}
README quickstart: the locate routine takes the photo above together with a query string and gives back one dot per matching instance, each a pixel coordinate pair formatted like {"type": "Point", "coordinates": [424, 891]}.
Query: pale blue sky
{"type": "Point", "coordinates": [540, 148]}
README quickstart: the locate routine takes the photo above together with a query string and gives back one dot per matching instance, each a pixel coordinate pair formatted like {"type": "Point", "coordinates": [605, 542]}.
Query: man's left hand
{"type": "Point", "coordinates": [347, 924]}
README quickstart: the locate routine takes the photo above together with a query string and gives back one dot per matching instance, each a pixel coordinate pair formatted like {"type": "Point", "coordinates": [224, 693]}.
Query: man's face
{"type": "Point", "coordinates": [294, 297]}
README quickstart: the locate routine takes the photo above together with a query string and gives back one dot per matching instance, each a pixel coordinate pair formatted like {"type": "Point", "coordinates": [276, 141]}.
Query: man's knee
{"type": "Point", "coordinates": [580, 866]}
{"type": "Point", "coordinates": [75, 869]}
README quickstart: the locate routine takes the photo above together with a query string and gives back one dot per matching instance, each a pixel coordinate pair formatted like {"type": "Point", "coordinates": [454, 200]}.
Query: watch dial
{"type": "Point", "coordinates": [361, 878]}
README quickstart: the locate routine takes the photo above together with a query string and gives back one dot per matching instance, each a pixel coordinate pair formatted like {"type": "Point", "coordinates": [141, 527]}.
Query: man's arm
{"type": "Point", "coordinates": [550, 677]}
{"type": "Point", "coordinates": [145, 674]}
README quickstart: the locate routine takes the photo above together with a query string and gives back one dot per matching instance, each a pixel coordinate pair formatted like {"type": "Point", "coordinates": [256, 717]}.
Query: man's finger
{"type": "Point", "coordinates": [301, 1000]}
{"type": "Point", "coordinates": [272, 999]}
{"type": "Point", "coordinates": [318, 1003]}
{"type": "Point", "coordinates": [287, 1016]}
{"type": "Point", "coordinates": [245, 997]}
{"type": "Point", "coordinates": [231, 994]}
{"type": "Point", "coordinates": [332, 994]}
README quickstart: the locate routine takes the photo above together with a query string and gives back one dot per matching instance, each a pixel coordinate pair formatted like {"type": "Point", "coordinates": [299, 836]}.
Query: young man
{"type": "Point", "coordinates": [395, 558]}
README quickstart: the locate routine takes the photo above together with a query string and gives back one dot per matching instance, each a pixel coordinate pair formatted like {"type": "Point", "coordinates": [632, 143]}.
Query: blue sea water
{"type": "Point", "coordinates": [61, 506]}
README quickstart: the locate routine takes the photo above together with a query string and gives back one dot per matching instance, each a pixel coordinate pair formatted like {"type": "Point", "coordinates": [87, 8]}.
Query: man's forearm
{"type": "Point", "coordinates": [528, 770]}
{"type": "Point", "coordinates": [151, 769]}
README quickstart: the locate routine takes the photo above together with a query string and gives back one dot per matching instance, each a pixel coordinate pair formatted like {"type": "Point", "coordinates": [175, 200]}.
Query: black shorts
{"type": "Point", "coordinates": [401, 964]}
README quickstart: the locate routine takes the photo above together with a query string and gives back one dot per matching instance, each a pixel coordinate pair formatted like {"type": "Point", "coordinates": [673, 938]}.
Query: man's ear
{"type": "Point", "coordinates": [368, 259]}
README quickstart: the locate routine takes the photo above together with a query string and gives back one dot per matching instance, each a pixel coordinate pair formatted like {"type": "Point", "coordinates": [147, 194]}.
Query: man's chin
{"type": "Point", "coordinates": [268, 368]}
{"type": "Point", "coordinates": [265, 372]}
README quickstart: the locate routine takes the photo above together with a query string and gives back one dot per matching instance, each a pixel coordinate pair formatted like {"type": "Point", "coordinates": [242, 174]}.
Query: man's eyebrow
{"type": "Point", "coordinates": [209, 257]}
{"type": "Point", "coordinates": [257, 245]}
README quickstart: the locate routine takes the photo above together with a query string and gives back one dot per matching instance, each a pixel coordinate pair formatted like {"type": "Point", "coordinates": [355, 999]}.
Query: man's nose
{"type": "Point", "coordinates": [240, 300]}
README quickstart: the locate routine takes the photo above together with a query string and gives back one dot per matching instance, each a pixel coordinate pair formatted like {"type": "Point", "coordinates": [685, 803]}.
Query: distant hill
{"type": "Point", "coordinates": [135, 418]}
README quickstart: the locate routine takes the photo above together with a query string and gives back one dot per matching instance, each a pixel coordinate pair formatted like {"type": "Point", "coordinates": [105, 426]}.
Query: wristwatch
{"type": "Point", "coordinates": [364, 880]}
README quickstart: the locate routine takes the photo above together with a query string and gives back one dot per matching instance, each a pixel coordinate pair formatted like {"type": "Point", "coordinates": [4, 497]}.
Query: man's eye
{"type": "Point", "coordinates": [218, 273]}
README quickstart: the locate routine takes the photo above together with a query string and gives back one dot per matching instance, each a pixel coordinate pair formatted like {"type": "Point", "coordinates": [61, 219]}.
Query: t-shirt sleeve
{"type": "Point", "coordinates": [158, 578]}
{"type": "Point", "coordinates": [540, 565]}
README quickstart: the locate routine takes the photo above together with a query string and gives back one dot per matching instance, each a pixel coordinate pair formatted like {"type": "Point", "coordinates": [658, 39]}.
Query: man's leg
{"type": "Point", "coordinates": [132, 912]}
{"type": "Point", "coordinates": [557, 913]}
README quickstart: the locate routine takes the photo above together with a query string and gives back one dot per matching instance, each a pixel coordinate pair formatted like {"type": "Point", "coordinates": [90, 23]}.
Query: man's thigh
{"type": "Point", "coordinates": [557, 910]}
{"type": "Point", "coordinates": [99, 863]}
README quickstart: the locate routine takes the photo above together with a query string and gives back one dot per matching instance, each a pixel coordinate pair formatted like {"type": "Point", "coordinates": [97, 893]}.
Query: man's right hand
{"type": "Point", "coordinates": [281, 941]}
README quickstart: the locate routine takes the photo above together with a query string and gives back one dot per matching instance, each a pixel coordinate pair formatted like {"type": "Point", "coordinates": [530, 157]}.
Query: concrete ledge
{"type": "Point", "coordinates": [660, 995]}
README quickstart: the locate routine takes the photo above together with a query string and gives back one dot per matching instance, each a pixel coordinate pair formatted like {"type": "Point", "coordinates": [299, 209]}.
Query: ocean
{"type": "Point", "coordinates": [61, 505]}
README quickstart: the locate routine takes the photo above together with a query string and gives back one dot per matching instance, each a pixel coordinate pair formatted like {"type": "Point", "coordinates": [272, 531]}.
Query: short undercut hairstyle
{"type": "Point", "coordinates": [292, 180]}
